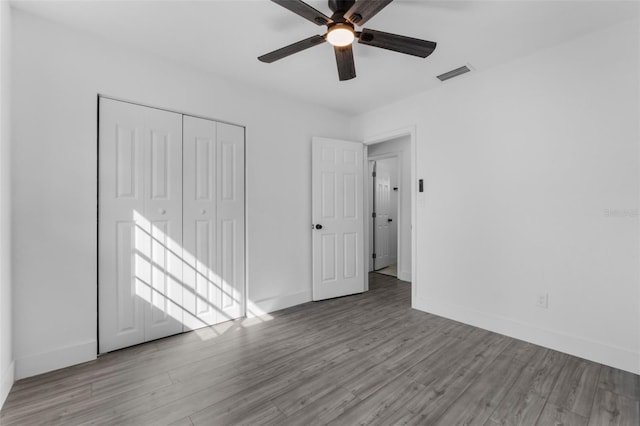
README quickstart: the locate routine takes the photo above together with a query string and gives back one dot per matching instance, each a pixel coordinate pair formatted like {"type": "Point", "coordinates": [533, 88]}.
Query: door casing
{"type": "Point", "coordinates": [415, 197]}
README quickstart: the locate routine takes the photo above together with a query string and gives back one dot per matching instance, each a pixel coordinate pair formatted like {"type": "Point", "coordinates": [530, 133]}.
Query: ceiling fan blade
{"type": "Point", "coordinates": [363, 10]}
{"type": "Point", "coordinates": [292, 48]}
{"type": "Point", "coordinates": [346, 64]}
{"type": "Point", "coordinates": [397, 43]}
{"type": "Point", "coordinates": [302, 9]}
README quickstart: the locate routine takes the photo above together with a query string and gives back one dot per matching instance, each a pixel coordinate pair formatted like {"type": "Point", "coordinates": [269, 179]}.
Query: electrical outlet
{"type": "Point", "coordinates": [542, 300]}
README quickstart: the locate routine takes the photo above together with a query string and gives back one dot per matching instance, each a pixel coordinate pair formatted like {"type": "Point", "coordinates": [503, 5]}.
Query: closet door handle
{"type": "Point", "coordinates": [318, 226]}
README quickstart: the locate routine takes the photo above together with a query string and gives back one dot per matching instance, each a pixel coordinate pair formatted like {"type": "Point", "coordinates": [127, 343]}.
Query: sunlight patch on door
{"type": "Point", "coordinates": [178, 285]}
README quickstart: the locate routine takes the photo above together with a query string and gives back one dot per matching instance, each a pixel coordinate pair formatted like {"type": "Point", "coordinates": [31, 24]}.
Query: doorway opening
{"type": "Point", "coordinates": [389, 203]}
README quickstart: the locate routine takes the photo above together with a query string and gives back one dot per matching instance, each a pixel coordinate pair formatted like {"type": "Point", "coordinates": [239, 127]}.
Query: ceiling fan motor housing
{"type": "Point", "coordinates": [340, 6]}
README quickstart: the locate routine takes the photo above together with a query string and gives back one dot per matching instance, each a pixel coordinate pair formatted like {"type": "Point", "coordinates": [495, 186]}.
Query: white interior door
{"type": "Point", "coordinates": [382, 206]}
{"type": "Point", "coordinates": [213, 222]}
{"type": "Point", "coordinates": [140, 224]}
{"type": "Point", "coordinates": [338, 220]}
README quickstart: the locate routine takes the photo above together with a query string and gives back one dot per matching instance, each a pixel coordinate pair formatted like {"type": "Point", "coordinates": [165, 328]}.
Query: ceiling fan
{"type": "Point", "coordinates": [341, 32]}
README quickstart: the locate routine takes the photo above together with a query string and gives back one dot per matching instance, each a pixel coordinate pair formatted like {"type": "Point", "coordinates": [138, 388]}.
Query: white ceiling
{"type": "Point", "coordinates": [226, 36]}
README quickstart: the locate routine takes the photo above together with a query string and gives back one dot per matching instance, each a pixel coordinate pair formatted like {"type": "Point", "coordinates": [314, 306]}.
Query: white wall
{"type": "Point", "coordinates": [402, 147]}
{"type": "Point", "coordinates": [531, 173]}
{"type": "Point", "coordinates": [6, 343]}
{"type": "Point", "coordinates": [57, 75]}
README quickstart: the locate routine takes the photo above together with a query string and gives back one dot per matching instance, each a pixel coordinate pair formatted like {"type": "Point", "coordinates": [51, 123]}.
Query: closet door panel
{"type": "Point", "coordinates": [163, 212]}
{"type": "Point", "coordinates": [202, 279]}
{"type": "Point", "coordinates": [121, 195]}
{"type": "Point", "coordinates": [230, 224]}
{"type": "Point", "coordinates": [140, 224]}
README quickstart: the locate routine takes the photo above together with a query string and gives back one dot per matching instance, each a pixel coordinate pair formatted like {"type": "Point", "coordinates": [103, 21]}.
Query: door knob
{"type": "Point", "coordinates": [389, 220]}
{"type": "Point", "coordinates": [318, 226]}
{"type": "Point", "coordinates": [162, 211]}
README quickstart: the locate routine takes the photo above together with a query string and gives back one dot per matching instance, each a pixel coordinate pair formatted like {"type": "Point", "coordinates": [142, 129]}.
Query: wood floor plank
{"type": "Point", "coordinates": [620, 382]}
{"type": "Point", "coordinates": [327, 374]}
{"type": "Point", "coordinates": [478, 402]}
{"type": "Point", "coordinates": [525, 411]}
{"type": "Point", "coordinates": [576, 386]}
{"type": "Point", "coordinates": [362, 359]}
{"type": "Point", "coordinates": [25, 409]}
{"type": "Point", "coordinates": [159, 407]}
{"type": "Point", "coordinates": [447, 377]}
{"type": "Point", "coordinates": [401, 343]}
{"type": "Point", "coordinates": [113, 386]}
{"type": "Point", "coordinates": [185, 421]}
{"type": "Point", "coordinates": [378, 406]}
{"type": "Point", "coordinates": [458, 358]}
{"type": "Point", "coordinates": [250, 389]}
{"type": "Point", "coordinates": [611, 409]}
{"type": "Point", "coordinates": [402, 361]}
{"type": "Point", "coordinates": [252, 415]}
{"type": "Point", "coordinates": [552, 415]}
{"type": "Point", "coordinates": [373, 379]}
{"type": "Point", "coordinates": [527, 397]}
{"type": "Point", "coordinates": [324, 409]}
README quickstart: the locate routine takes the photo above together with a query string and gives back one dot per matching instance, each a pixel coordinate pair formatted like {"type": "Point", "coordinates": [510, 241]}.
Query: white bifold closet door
{"type": "Point", "coordinates": [213, 222]}
{"type": "Point", "coordinates": [171, 223]}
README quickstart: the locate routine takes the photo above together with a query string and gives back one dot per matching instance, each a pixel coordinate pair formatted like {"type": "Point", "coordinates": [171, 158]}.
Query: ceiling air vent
{"type": "Point", "coordinates": [454, 73]}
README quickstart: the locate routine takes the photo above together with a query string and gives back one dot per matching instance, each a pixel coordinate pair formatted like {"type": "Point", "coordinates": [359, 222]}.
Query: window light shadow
{"type": "Point", "coordinates": [183, 289]}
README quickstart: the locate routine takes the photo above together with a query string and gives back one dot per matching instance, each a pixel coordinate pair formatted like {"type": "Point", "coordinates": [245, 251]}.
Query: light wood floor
{"type": "Point", "coordinates": [364, 359]}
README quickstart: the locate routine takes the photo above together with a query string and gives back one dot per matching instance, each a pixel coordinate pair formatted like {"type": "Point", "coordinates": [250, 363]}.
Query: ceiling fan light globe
{"type": "Point", "coordinates": [340, 36]}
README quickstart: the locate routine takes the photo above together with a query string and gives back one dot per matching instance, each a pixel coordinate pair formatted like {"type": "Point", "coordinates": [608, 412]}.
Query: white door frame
{"type": "Point", "coordinates": [384, 137]}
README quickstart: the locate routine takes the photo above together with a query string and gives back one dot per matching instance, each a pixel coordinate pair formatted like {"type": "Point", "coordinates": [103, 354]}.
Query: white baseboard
{"type": "Point", "coordinates": [6, 381]}
{"type": "Point", "coordinates": [64, 357]}
{"type": "Point", "coordinates": [264, 306]}
{"type": "Point", "coordinates": [602, 353]}
{"type": "Point", "coordinates": [404, 276]}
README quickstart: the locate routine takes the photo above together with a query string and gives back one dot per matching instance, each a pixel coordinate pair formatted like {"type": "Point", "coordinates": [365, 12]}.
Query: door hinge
{"type": "Point", "coordinates": [373, 255]}
{"type": "Point", "coordinates": [373, 174]}
{"type": "Point", "coordinates": [373, 214]}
